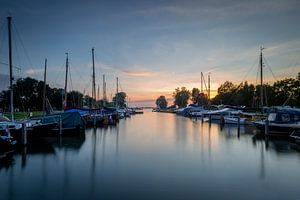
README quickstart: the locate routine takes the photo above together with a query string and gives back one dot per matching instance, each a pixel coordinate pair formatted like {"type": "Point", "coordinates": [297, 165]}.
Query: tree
{"type": "Point", "coordinates": [75, 99]}
{"type": "Point", "coordinates": [225, 92]}
{"type": "Point", "coordinates": [195, 95]}
{"type": "Point", "coordinates": [28, 95]}
{"type": "Point", "coordinates": [199, 98]}
{"type": "Point", "coordinates": [120, 99]}
{"type": "Point", "coordinates": [181, 97]}
{"type": "Point", "coordinates": [161, 102]}
{"type": "Point", "coordinates": [203, 99]}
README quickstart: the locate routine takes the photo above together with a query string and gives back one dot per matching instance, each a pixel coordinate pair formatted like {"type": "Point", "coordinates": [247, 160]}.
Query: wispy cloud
{"type": "Point", "coordinates": [219, 8]}
{"type": "Point", "coordinates": [283, 47]}
{"type": "Point", "coordinates": [34, 71]}
{"type": "Point", "coordinates": [139, 73]}
{"type": "Point", "coordinates": [106, 66]}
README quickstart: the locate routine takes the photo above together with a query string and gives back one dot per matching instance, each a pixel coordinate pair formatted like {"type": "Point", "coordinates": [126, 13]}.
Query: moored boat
{"type": "Point", "coordinates": [281, 121]}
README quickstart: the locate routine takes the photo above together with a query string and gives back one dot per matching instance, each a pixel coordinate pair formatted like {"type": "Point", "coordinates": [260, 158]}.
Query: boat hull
{"type": "Point", "coordinates": [277, 129]}
{"type": "Point", "coordinates": [235, 120]}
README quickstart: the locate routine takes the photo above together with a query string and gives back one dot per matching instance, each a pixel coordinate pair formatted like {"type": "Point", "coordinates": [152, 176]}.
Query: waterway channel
{"type": "Point", "coordinates": [155, 156]}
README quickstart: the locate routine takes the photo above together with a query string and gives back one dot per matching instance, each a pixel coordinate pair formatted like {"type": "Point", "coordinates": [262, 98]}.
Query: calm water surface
{"type": "Point", "coordinates": [155, 156]}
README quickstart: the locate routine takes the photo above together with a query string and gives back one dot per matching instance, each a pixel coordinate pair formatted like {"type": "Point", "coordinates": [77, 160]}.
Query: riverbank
{"type": "Point", "coordinates": [24, 115]}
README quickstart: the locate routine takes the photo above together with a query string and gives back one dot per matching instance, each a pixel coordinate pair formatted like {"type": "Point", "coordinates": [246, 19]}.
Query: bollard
{"type": "Point", "coordinates": [222, 120]}
{"type": "Point", "coordinates": [209, 119]}
{"type": "Point", "coordinates": [239, 123]}
{"type": "Point", "coordinates": [60, 126]}
{"type": "Point", "coordinates": [24, 134]}
{"type": "Point", "coordinates": [24, 157]}
{"type": "Point", "coordinates": [94, 120]}
{"type": "Point", "coordinates": [267, 127]}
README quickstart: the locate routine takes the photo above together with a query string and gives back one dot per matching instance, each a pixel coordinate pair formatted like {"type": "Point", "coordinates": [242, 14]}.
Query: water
{"type": "Point", "coordinates": [155, 156]}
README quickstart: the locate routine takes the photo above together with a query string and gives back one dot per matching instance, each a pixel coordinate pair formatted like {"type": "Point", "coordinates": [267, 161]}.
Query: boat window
{"type": "Point", "coordinates": [297, 118]}
{"type": "Point", "coordinates": [285, 117]}
{"type": "Point", "coordinates": [272, 117]}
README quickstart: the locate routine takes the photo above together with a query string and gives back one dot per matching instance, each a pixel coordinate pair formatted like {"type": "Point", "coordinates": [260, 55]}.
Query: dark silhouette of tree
{"type": "Point", "coordinates": [195, 95]}
{"type": "Point", "coordinates": [199, 98]}
{"type": "Point", "coordinates": [203, 99]}
{"type": "Point", "coordinates": [181, 97]}
{"type": "Point", "coordinates": [75, 99]}
{"type": "Point", "coordinates": [225, 92]}
{"type": "Point", "coordinates": [161, 102]}
{"type": "Point", "coordinates": [120, 100]}
{"type": "Point", "coordinates": [286, 91]}
{"type": "Point", "coordinates": [28, 95]}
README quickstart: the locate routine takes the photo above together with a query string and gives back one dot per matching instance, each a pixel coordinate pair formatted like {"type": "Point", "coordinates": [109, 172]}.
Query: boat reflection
{"type": "Point", "coordinates": [278, 144]}
{"type": "Point", "coordinates": [43, 147]}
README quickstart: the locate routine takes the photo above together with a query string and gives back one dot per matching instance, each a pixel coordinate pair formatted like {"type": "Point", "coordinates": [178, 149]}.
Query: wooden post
{"type": "Point", "coordinates": [209, 119]}
{"type": "Point", "coordinates": [60, 125]}
{"type": "Point", "coordinates": [94, 120]}
{"type": "Point", "coordinates": [222, 120]}
{"type": "Point", "coordinates": [267, 127]}
{"type": "Point", "coordinates": [239, 123]}
{"type": "Point", "coordinates": [24, 134]}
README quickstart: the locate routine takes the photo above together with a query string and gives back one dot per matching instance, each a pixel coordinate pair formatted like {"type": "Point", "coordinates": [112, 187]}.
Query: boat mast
{"type": "Point", "coordinates": [66, 81]}
{"type": "Point", "coordinates": [261, 80]}
{"type": "Point", "coordinates": [10, 70]}
{"type": "Point", "coordinates": [44, 90]}
{"type": "Point", "coordinates": [209, 87]}
{"type": "Point", "coordinates": [94, 85]}
{"type": "Point", "coordinates": [117, 85]}
{"type": "Point", "coordinates": [104, 90]}
{"type": "Point", "coordinates": [117, 92]}
{"type": "Point", "coordinates": [98, 92]}
{"type": "Point", "coordinates": [201, 83]}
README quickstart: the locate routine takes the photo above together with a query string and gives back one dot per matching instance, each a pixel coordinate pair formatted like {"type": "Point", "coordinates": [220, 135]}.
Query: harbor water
{"type": "Point", "coordinates": [155, 156]}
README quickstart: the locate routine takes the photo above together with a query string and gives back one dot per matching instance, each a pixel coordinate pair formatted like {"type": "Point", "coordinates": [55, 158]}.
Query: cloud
{"type": "Point", "coordinates": [283, 47]}
{"type": "Point", "coordinates": [219, 9]}
{"type": "Point", "coordinates": [138, 73]}
{"type": "Point", "coordinates": [105, 66]}
{"type": "Point", "coordinates": [33, 71]}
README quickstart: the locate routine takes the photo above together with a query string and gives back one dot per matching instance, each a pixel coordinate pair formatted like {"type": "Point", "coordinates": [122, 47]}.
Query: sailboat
{"type": "Point", "coordinates": [9, 127]}
{"type": "Point", "coordinates": [92, 116]}
{"type": "Point", "coordinates": [65, 123]}
{"type": "Point", "coordinates": [281, 120]}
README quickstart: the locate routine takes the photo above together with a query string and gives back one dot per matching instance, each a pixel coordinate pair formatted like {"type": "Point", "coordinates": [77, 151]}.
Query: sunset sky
{"type": "Point", "coordinates": [152, 46]}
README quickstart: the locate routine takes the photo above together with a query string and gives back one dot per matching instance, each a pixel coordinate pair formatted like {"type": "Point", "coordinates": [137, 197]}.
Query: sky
{"type": "Point", "coordinates": [152, 46]}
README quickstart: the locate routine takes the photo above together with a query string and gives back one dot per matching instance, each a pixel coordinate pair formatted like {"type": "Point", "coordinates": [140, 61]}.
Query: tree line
{"type": "Point", "coordinates": [28, 96]}
{"type": "Point", "coordinates": [281, 92]}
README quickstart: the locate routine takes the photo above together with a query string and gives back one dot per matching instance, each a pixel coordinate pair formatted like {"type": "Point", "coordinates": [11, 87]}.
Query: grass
{"type": "Point", "coordinates": [24, 115]}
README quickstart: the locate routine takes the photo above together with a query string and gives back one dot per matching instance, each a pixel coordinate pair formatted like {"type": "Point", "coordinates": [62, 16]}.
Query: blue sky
{"type": "Point", "coordinates": [153, 46]}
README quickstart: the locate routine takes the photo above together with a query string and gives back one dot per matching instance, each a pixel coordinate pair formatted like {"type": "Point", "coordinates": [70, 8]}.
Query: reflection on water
{"type": "Point", "coordinates": [154, 156]}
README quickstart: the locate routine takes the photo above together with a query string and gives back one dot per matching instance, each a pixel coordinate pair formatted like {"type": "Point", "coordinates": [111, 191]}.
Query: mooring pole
{"type": "Point", "coordinates": [24, 134]}
{"type": "Point", "coordinates": [267, 127]}
{"type": "Point", "coordinates": [239, 124]}
{"type": "Point", "coordinates": [60, 125]}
